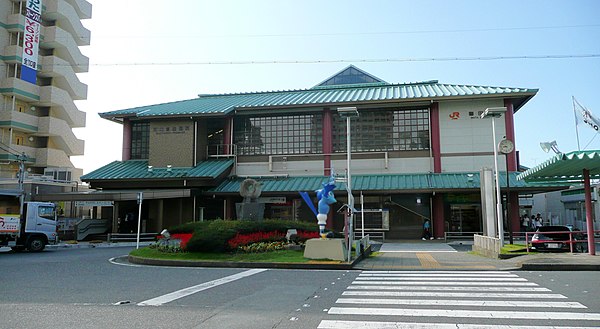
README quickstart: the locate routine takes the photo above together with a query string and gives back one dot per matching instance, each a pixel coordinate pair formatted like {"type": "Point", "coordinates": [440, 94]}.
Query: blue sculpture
{"type": "Point", "coordinates": [326, 198]}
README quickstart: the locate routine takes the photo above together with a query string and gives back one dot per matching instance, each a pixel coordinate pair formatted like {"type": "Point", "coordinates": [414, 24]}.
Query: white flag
{"type": "Point", "coordinates": [586, 117]}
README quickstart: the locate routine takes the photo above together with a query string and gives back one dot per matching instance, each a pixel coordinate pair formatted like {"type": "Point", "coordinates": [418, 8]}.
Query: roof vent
{"type": "Point", "coordinates": [149, 168]}
{"type": "Point", "coordinates": [169, 167]}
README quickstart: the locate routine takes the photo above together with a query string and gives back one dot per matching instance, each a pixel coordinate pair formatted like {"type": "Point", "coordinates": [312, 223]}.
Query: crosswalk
{"type": "Point", "coordinates": [453, 299]}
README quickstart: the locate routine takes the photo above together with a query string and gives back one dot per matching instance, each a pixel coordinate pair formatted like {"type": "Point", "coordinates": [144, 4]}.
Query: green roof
{"type": "Point", "coordinates": [223, 104]}
{"type": "Point", "coordinates": [384, 182]}
{"type": "Point", "coordinates": [138, 169]}
{"type": "Point", "coordinates": [566, 167]}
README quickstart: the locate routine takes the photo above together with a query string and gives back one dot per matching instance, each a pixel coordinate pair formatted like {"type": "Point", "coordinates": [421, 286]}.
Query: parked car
{"type": "Point", "coordinates": [545, 240]}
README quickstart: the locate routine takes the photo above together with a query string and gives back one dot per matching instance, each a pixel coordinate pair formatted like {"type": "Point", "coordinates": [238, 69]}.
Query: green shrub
{"type": "Point", "coordinates": [212, 236]}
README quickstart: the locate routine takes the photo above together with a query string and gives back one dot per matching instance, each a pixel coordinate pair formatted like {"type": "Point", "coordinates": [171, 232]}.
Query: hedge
{"type": "Point", "coordinates": [212, 236]}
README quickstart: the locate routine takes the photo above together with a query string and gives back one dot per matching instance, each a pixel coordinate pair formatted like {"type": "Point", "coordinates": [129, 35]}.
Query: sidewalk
{"type": "Point", "coordinates": [437, 255]}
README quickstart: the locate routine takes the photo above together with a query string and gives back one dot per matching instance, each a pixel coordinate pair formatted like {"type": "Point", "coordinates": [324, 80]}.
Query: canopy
{"type": "Point", "coordinates": [571, 167]}
{"type": "Point", "coordinates": [565, 168]}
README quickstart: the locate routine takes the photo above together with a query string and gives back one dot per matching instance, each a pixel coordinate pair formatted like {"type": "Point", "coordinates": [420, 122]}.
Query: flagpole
{"type": "Point", "coordinates": [576, 129]}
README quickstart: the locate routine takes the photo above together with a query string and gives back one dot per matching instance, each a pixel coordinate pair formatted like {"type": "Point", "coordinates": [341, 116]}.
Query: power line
{"type": "Point", "coordinates": [519, 28]}
{"type": "Point", "coordinates": [372, 60]}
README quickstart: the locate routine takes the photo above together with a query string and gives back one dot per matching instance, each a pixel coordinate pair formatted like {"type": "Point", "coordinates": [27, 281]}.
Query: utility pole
{"type": "Point", "coordinates": [20, 178]}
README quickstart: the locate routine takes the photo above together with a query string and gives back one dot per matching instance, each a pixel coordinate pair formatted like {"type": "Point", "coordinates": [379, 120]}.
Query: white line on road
{"type": "Point", "coordinates": [438, 279]}
{"type": "Point", "coordinates": [431, 272]}
{"type": "Point", "coordinates": [438, 288]}
{"type": "Point", "coordinates": [448, 294]}
{"type": "Point", "coordinates": [192, 290]}
{"type": "Point", "coordinates": [446, 302]}
{"type": "Point", "coordinates": [485, 275]}
{"type": "Point", "coordinates": [433, 283]}
{"type": "Point", "coordinates": [333, 324]}
{"type": "Point", "coordinates": [431, 313]}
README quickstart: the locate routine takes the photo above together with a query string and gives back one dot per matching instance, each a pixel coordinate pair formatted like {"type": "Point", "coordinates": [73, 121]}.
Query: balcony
{"type": "Point", "coordinates": [67, 18]}
{"type": "Point", "coordinates": [65, 47]}
{"type": "Point", "coordinates": [12, 54]}
{"type": "Point", "coordinates": [30, 152]}
{"type": "Point", "coordinates": [21, 89]}
{"type": "Point", "coordinates": [63, 106]}
{"type": "Point", "coordinates": [61, 135]}
{"type": "Point", "coordinates": [19, 121]}
{"type": "Point", "coordinates": [83, 8]}
{"type": "Point", "coordinates": [64, 76]}
{"type": "Point", "coordinates": [47, 157]}
{"type": "Point", "coordinates": [15, 23]}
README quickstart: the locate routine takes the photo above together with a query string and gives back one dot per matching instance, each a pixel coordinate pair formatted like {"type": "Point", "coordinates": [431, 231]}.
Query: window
{"type": "Point", "coordinates": [384, 130]}
{"type": "Point", "coordinates": [140, 140]}
{"type": "Point", "coordinates": [292, 134]}
{"type": "Point", "coordinates": [46, 212]}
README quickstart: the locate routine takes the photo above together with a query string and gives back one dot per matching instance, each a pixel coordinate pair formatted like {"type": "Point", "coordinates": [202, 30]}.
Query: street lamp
{"type": "Point", "coordinates": [349, 113]}
{"type": "Point", "coordinates": [496, 112]}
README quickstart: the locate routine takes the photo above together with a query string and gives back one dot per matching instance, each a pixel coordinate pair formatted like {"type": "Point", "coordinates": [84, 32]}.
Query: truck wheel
{"type": "Point", "coordinates": [35, 244]}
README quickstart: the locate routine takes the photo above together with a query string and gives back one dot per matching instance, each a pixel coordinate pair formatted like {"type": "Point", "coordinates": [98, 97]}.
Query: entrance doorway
{"type": "Point", "coordinates": [465, 219]}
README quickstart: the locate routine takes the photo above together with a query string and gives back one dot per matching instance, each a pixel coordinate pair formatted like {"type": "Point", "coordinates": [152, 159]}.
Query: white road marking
{"type": "Point", "coordinates": [448, 294]}
{"type": "Point", "coordinates": [422, 275]}
{"type": "Point", "coordinates": [449, 302]}
{"type": "Point", "coordinates": [192, 290]}
{"type": "Point", "coordinates": [334, 324]}
{"type": "Point", "coordinates": [432, 272]}
{"type": "Point", "coordinates": [424, 313]}
{"type": "Point", "coordinates": [433, 283]}
{"type": "Point", "coordinates": [437, 279]}
{"type": "Point", "coordinates": [438, 288]}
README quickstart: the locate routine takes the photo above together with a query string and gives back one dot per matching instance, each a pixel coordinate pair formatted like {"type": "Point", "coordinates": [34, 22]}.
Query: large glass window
{"type": "Point", "coordinates": [384, 130]}
{"type": "Point", "coordinates": [140, 140]}
{"type": "Point", "coordinates": [291, 134]}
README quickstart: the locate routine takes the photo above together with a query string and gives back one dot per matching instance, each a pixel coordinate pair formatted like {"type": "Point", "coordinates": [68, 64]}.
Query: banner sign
{"type": "Point", "coordinates": [31, 40]}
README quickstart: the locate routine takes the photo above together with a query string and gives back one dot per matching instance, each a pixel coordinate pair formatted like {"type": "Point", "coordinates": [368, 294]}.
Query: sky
{"type": "Point", "coordinates": [146, 52]}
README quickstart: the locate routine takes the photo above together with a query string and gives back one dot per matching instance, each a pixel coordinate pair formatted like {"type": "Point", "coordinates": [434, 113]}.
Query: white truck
{"type": "Point", "coordinates": [32, 231]}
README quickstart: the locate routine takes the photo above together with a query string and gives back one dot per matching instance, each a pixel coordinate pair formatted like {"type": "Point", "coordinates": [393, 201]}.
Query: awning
{"type": "Point", "coordinates": [578, 166]}
{"type": "Point", "coordinates": [115, 195]}
{"type": "Point", "coordinates": [564, 168]}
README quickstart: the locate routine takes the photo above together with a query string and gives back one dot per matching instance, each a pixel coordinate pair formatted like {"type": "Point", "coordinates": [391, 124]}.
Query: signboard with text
{"type": "Point", "coordinates": [31, 40]}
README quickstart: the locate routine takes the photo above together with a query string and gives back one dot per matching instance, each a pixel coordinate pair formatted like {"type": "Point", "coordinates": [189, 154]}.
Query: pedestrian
{"type": "Point", "coordinates": [537, 222]}
{"type": "Point", "coordinates": [427, 230]}
{"type": "Point", "coordinates": [525, 223]}
{"type": "Point", "coordinates": [532, 223]}
{"type": "Point", "coordinates": [539, 219]}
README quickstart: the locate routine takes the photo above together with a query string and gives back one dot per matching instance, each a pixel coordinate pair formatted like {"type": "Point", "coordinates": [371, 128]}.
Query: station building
{"type": "Point", "coordinates": [417, 152]}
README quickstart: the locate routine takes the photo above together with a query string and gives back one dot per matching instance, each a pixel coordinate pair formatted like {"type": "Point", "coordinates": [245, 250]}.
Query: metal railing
{"type": "Point", "coordinates": [130, 237]}
{"type": "Point", "coordinates": [372, 233]}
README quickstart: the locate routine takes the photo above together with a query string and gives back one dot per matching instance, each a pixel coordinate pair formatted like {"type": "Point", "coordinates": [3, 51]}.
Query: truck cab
{"type": "Point", "coordinates": [40, 225]}
{"type": "Point", "coordinates": [33, 230]}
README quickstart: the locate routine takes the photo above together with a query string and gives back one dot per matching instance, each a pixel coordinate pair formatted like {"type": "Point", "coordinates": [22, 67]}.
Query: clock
{"type": "Point", "coordinates": [506, 146]}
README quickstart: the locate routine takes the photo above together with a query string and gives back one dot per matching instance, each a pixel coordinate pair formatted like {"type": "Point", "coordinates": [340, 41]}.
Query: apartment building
{"type": "Point", "coordinates": [40, 57]}
{"type": "Point", "coordinates": [417, 152]}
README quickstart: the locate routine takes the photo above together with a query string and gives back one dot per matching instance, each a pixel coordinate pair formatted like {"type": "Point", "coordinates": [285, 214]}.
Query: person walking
{"type": "Point", "coordinates": [427, 230]}
{"type": "Point", "coordinates": [525, 223]}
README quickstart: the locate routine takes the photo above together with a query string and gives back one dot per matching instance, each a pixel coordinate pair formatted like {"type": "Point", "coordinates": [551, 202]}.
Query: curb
{"type": "Point", "coordinates": [560, 267]}
{"type": "Point", "coordinates": [294, 266]}
{"type": "Point", "coordinates": [94, 245]}
{"type": "Point", "coordinates": [186, 263]}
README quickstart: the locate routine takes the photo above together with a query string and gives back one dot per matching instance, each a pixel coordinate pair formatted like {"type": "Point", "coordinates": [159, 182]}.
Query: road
{"type": "Point", "coordinates": [94, 288]}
